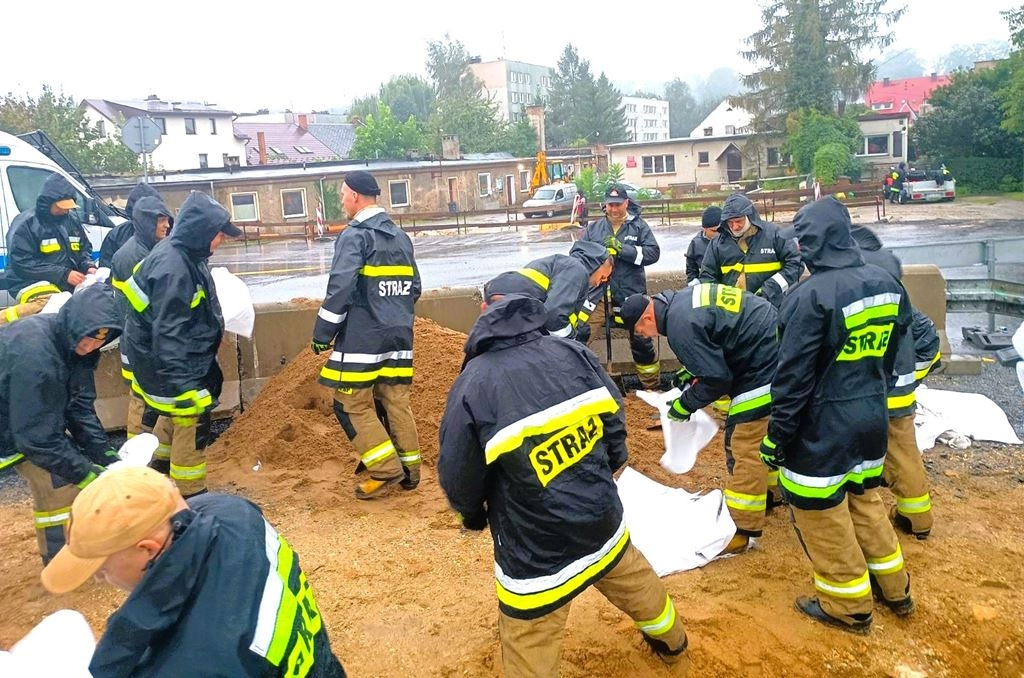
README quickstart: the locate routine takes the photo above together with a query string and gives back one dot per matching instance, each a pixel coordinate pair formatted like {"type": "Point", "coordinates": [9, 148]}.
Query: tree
{"type": "Point", "coordinates": [580, 106]}
{"type": "Point", "coordinates": [682, 109]}
{"type": "Point", "coordinates": [448, 68]}
{"type": "Point", "coordinates": [903, 64]}
{"type": "Point", "coordinates": [1011, 95]}
{"type": "Point", "coordinates": [363, 107]}
{"type": "Point", "coordinates": [382, 136]}
{"type": "Point", "coordinates": [834, 160]}
{"type": "Point", "coordinates": [408, 95]}
{"type": "Point", "coordinates": [519, 138]}
{"type": "Point", "coordinates": [810, 51]}
{"type": "Point", "coordinates": [809, 130]}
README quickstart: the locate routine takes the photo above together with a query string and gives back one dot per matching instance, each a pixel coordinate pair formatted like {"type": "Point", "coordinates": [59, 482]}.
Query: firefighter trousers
{"type": "Point", "coordinates": [181, 452]}
{"type": "Point", "coordinates": [849, 545]}
{"type": "Point", "coordinates": [32, 307]}
{"type": "Point", "coordinates": [144, 419]}
{"type": "Point", "coordinates": [51, 507]}
{"type": "Point", "coordinates": [383, 455]}
{"type": "Point", "coordinates": [905, 475]}
{"type": "Point", "coordinates": [532, 647]}
{"type": "Point", "coordinates": [746, 493]}
{"type": "Point", "coordinates": [774, 494]}
{"type": "Point", "coordinates": [645, 358]}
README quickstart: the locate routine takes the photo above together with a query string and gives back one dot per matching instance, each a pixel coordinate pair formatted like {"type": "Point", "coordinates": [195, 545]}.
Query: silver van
{"type": "Point", "coordinates": [550, 200]}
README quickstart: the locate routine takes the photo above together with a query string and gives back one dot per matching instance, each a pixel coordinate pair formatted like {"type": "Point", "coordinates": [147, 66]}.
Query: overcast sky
{"type": "Point", "coordinates": [310, 54]}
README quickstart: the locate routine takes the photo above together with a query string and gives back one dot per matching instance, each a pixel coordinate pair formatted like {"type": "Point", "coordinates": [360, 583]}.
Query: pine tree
{"type": "Point", "coordinates": [582, 107]}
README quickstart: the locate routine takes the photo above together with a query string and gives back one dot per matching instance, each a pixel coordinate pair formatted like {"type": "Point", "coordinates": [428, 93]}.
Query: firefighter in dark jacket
{"type": "Point", "coordinates": [632, 244]}
{"type": "Point", "coordinates": [565, 280]}
{"type": "Point", "coordinates": [48, 422]}
{"type": "Point", "coordinates": [750, 253]}
{"type": "Point", "coordinates": [173, 331]}
{"type": "Point", "coordinates": [368, 314]}
{"type": "Point", "coordinates": [212, 588]}
{"type": "Point", "coordinates": [918, 355]}
{"type": "Point", "coordinates": [151, 221]}
{"type": "Point", "coordinates": [532, 431]}
{"type": "Point", "coordinates": [48, 250]}
{"type": "Point", "coordinates": [709, 222]}
{"type": "Point", "coordinates": [840, 331]}
{"type": "Point", "coordinates": [124, 231]}
{"type": "Point", "coordinates": [725, 339]}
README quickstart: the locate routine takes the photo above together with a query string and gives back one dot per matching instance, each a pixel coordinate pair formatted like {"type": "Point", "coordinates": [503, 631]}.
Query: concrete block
{"type": "Point", "coordinates": [962, 364]}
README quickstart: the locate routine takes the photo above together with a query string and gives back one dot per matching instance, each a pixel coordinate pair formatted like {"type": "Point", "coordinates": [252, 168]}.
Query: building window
{"type": "Point", "coordinates": [881, 106]}
{"type": "Point", "coordinates": [876, 144]}
{"type": "Point", "coordinates": [293, 203]}
{"type": "Point", "coordinates": [213, 125]}
{"type": "Point", "coordinates": [399, 191]}
{"type": "Point", "coordinates": [190, 125]}
{"type": "Point", "coordinates": [204, 161]}
{"type": "Point", "coordinates": [524, 181]}
{"type": "Point", "coordinates": [230, 160]}
{"type": "Point", "coordinates": [484, 181]}
{"type": "Point", "coordinates": [730, 129]}
{"type": "Point", "coordinates": [245, 207]}
{"type": "Point", "coordinates": [708, 131]}
{"type": "Point", "coordinates": [897, 144]}
{"type": "Point", "coordinates": [101, 128]}
{"type": "Point", "coordinates": [659, 164]}
{"type": "Point", "coordinates": [304, 150]}
{"type": "Point", "coordinates": [773, 156]}
{"type": "Point", "coordinates": [163, 124]}
{"type": "Point", "coordinates": [702, 159]}
{"type": "Point", "coordinates": [276, 153]}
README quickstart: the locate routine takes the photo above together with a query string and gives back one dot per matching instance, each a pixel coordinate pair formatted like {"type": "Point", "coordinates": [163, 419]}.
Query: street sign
{"type": "Point", "coordinates": [141, 134]}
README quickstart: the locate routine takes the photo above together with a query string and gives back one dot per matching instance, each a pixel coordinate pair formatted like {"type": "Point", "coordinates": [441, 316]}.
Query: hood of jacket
{"type": "Point", "coordinates": [88, 310]}
{"type": "Point", "coordinates": [738, 205]}
{"type": "Point", "coordinates": [370, 217]}
{"type": "Point", "coordinates": [873, 252]}
{"type": "Point", "coordinates": [590, 254]}
{"type": "Point", "coordinates": [823, 231]}
{"type": "Point", "coordinates": [144, 216]}
{"type": "Point", "coordinates": [200, 219]}
{"type": "Point", "coordinates": [513, 320]}
{"type": "Point", "coordinates": [54, 189]}
{"type": "Point", "coordinates": [141, 190]}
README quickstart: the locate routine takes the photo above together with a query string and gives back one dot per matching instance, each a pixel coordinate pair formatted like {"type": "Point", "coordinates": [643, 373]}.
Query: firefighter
{"type": "Point", "coordinates": [124, 231]}
{"type": "Point", "coordinates": [214, 589]}
{"type": "Point", "coordinates": [709, 222]}
{"type": "Point", "coordinates": [367, 314]}
{"type": "Point", "coordinates": [725, 339]}
{"type": "Point", "coordinates": [632, 244]}
{"type": "Point", "coordinates": [48, 423]}
{"type": "Point", "coordinates": [532, 432]}
{"type": "Point", "coordinates": [48, 250]}
{"type": "Point", "coordinates": [898, 176]}
{"type": "Point", "coordinates": [840, 330]}
{"type": "Point", "coordinates": [151, 221]}
{"type": "Point", "coordinates": [173, 331]}
{"type": "Point", "coordinates": [751, 253]}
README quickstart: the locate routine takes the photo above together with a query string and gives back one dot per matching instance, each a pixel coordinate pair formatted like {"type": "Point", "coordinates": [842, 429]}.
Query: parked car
{"type": "Point", "coordinates": [632, 190]}
{"type": "Point", "coordinates": [550, 200]}
{"type": "Point", "coordinates": [927, 186]}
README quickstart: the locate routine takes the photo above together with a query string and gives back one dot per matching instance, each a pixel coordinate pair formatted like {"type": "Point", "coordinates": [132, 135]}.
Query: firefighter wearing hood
{"type": "Point", "coordinates": [840, 331]}
{"type": "Point", "coordinates": [532, 431]}
{"type": "Point", "coordinates": [48, 425]}
{"type": "Point", "coordinates": [751, 253]}
{"type": "Point", "coordinates": [173, 331]}
{"type": "Point", "coordinates": [124, 231]}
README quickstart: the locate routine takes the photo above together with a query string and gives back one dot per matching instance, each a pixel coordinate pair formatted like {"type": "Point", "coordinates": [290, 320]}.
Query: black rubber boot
{"type": "Point", "coordinates": [812, 608]}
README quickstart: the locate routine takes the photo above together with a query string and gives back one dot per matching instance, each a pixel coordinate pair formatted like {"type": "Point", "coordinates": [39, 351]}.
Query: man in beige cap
{"type": "Point", "coordinates": [213, 588]}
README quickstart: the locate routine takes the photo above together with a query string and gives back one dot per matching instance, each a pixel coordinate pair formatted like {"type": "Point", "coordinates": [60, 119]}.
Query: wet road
{"type": "Point", "coordinates": [285, 270]}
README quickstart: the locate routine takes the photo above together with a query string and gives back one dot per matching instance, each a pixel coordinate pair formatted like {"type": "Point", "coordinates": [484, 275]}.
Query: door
{"type": "Point", "coordinates": [733, 165]}
{"type": "Point", "coordinates": [510, 189]}
{"type": "Point", "coordinates": [453, 191]}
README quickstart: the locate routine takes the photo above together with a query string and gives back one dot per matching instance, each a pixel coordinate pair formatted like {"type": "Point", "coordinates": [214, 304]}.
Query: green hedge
{"type": "Point", "coordinates": [986, 174]}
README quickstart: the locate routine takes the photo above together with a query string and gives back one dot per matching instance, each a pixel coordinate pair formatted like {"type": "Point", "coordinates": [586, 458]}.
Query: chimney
{"type": "Point", "coordinates": [303, 122]}
{"type": "Point", "coordinates": [885, 82]}
{"type": "Point", "coordinates": [935, 76]}
{"type": "Point", "coordinates": [261, 140]}
{"type": "Point", "coordinates": [450, 149]}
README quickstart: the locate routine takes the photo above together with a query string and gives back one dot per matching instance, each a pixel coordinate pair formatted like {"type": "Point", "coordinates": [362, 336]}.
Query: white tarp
{"type": "Point", "coordinates": [60, 646]}
{"type": "Point", "coordinates": [683, 440]}
{"type": "Point", "coordinates": [674, 529]}
{"type": "Point", "coordinates": [235, 302]}
{"type": "Point", "coordinates": [1018, 345]}
{"type": "Point", "coordinates": [969, 414]}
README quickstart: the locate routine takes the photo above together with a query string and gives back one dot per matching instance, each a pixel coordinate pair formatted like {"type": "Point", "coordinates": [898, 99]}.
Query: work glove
{"type": "Point", "coordinates": [106, 457]}
{"type": "Point", "coordinates": [475, 522]}
{"type": "Point", "coordinates": [771, 454]}
{"type": "Point", "coordinates": [613, 244]}
{"type": "Point", "coordinates": [93, 475]}
{"type": "Point", "coordinates": [319, 347]}
{"type": "Point", "coordinates": [677, 412]}
{"type": "Point", "coordinates": [682, 378]}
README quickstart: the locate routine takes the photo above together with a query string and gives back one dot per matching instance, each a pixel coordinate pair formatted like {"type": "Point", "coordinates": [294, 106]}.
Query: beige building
{"type": "Point", "coordinates": [513, 85]}
{"type": "Point", "coordinates": [884, 141]}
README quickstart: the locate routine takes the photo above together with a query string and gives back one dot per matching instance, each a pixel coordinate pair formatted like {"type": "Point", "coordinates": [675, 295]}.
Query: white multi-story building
{"type": "Point", "coordinates": [725, 121]}
{"type": "Point", "coordinates": [646, 119]}
{"type": "Point", "coordinates": [514, 85]}
{"type": "Point", "coordinates": [195, 135]}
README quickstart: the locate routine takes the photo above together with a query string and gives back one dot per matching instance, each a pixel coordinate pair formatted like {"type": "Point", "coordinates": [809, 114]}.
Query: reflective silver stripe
{"type": "Point", "coordinates": [378, 454]}
{"type": "Point", "coordinates": [45, 242]}
{"type": "Point", "coordinates": [893, 563]}
{"type": "Point", "coordinates": [124, 360]}
{"type": "Point", "coordinates": [44, 521]}
{"type": "Point", "coordinates": [639, 256]}
{"type": "Point", "coordinates": [589, 305]}
{"type": "Point", "coordinates": [855, 589]}
{"type": "Point", "coordinates": [923, 364]}
{"type": "Point", "coordinates": [33, 287]}
{"type": "Point", "coordinates": [409, 457]}
{"type": "Point", "coordinates": [331, 317]}
{"type": "Point", "coordinates": [564, 332]}
{"type": "Point", "coordinates": [870, 302]}
{"type": "Point", "coordinates": [73, 238]}
{"type": "Point", "coordinates": [814, 481]}
{"type": "Point", "coordinates": [781, 281]}
{"type": "Point", "coordinates": [550, 581]}
{"type": "Point", "coordinates": [273, 593]}
{"type": "Point", "coordinates": [370, 358]}
{"type": "Point", "coordinates": [134, 286]}
{"type": "Point", "coordinates": [905, 380]}
{"type": "Point", "coordinates": [751, 394]}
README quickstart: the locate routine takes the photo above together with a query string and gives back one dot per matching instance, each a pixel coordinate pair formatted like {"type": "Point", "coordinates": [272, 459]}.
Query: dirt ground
{"type": "Point", "coordinates": [405, 592]}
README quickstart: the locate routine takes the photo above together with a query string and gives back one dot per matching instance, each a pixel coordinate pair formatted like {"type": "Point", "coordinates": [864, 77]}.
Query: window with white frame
{"type": "Point", "coordinates": [703, 159]}
{"type": "Point", "coordinates": [483, 180]}
{"type": "Point", "coordinates": [659, 164]}
{"type": "Point", "coordinates": [730, 129]}
{"type": "Point", "coordinates": [875, 144]}
{"type": "Point", "coordinates": [399, 192]}
{"type": "Point", "coordinates": [524, 181]}
{"type": "Point", "coordinates": [245, 207]}
{"type": "Point", "coordinates": [190, 125]}
{"type": "Point", "coordinates": [293, 203]}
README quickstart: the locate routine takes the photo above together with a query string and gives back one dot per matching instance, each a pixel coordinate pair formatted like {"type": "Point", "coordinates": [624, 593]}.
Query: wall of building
{"type": "Point", "coordinates": [893, 133]}
{"type": "Point", "coordinates": [646, 119]}
{"type": "Point", "coordinates": [178, 150]}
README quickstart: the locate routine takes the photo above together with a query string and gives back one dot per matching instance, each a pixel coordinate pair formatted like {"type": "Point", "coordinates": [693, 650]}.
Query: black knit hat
{"type": "Point", "coordinates": [362, 183]}
{"type": "Point", "coordinates": [632, 309]}
{"type": "Point", "coordinates": [712, 216]}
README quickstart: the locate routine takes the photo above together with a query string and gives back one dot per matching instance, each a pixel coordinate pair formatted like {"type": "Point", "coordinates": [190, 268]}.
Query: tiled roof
{"type": "Point", "coordinates": [338, 137]}
{"type": "Point", "coordinates": [902, 95]}
{"type": "Point", "coordinates": [286, 143]}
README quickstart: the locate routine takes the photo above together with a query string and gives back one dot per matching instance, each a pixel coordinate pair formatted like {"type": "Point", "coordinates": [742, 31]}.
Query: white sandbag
{"type": "Point", "coordinates": [683, 439]}
{"type": "Point", "coordinates": [55, 302]}
{"type": "Point", "coordinates": [1018, 345]}
{"type": "Point", "coordinates": [136, 451]}
{"type": "Point", "coordinates": [65, 631]}
{"type": "Point", "coordinates": [969, 414]}
{"type": "Point", "coordinates": [235, 302]}
{"type": "Point", "coordinates": [674, 529]}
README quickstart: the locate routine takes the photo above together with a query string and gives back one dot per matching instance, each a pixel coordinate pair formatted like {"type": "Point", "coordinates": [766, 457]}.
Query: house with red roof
{"type": "Point", "coordinates": [905, 95]}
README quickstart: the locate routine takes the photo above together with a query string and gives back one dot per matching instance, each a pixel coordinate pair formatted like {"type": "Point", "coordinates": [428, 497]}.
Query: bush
{"type": "Point", "coordinates": [980, 175]}
{"type": "Point", "coordinates": [834, 160]}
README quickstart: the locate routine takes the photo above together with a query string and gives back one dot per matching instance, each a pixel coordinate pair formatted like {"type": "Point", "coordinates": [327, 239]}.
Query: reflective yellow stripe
{"type": "Point", "coordinates": [923, 372]}
{"type": "Point", "coordinates": [11, 314]}
{"type": "Point", "coordinates": [746, 502]}
{"type": "Point", "coordinates": [386, 271]}
{"type": "Point", "coordinates": [410, 458]}
{"type": "Point", "coordinates": [197, 472]}
{"type": "Point", "coordinates": [536, 276]}
{"type": "Point", "coordinates": [765, 267]}
{"type": "Point", "coordinates": [358, 377]}
{"type": "Point", "coordinates": [198, 296]}
{"type": "Point", "coordinates": [162, 452]}
{"type": "Point", "coordinates": [661, 624]}
{"type": "Point", "coordinates": [10, 460]}
{"type": "Point", "coordinates": [773, 478]}
{"type": "Point", "coordinates": [376, 455]}
{"type": "Point", "coordinates": [36, 289]}
{"type": "Point", "coordinates": [45, 519]}
{"type": "Point", "coordinates": [653, 368]}
{"type": "Point", "coordinates": [136, 297]}
{"type": "Point", "coordinates": [889, 564]}
{"type": "Point", "coordinates": [911, 505]}
{"type": "Point", "coordinates": [866, 342]}
{"type": "Point", "coordinates": [285, 620]}
{"type": "Point", "coordinates": [855, 588]}
{"type": "Point", "coordinates": [898, 402]}
{"type": "Point", "coordinates": [49, 246]}
{"type": "Point", "coordinates": [197, 402]}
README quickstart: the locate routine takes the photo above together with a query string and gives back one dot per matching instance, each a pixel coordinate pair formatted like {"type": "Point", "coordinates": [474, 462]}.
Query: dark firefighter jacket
{"type": "Point", "coordinates": [840, 330]}
{"type": "Point", "coordinates": [639, 248]}
{"type": "Point", "coordinates": [226, 598]}
{"type": "Point", "coordinates": [175, 325]}
{"type": "Point", "coordinates": [46, 389]}
{"type": "Point", "coordinates": [695, 256]}
{"type": "Point", "coordinates": [771, 263]}
{"type": "Point", "coordinates": [532, 431]}
{"type": "Point", "coordinates": [121, 233]}
{"type": "Point", "coordinates": [565, 280]}
{"type": "Point", "coordinates": [727, 339]}
{"type": "Point", "coordinates": [43, 249]}
{"type": "Point", "coordinates": [368, 311]}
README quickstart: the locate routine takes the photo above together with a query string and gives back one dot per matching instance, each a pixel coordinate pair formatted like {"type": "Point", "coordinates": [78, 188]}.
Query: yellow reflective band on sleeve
{"type": "Point", "coordinates": [198, 297]}
{"type": "Point", "coordinates": [661, 624]}
{"type": "Point", "coordinates": [855, 588]}
{"type": "Point", "coordinates": [136, 297]}
{"type": "Point", "coordinates": [410, 458]}
{"type": "Point", "coordinates": [746, 502]}
{"type": "Point", "coordinates": [11, 314]}
{"type": "Point", "coordinates": [751, 400]}
{"type": "Point", "coordinates": [924, 367]}
{"type": "Point", "coordinates": [536, 276]}
{"type": "Point", "coordinates": [45, 519]}
{"type": "Point", "coordinates": [889, 564]}
{"type": "Point", "coordinates": [376, 455]}
{"type": "Point", "coordinates": [912, 505]}
{"type": "Point", "coordinates": [197, 472]}
{"type": "Point", "coordinates": [899, 402]}
{"type": "Point", "coordinates": [49, 246]}
{"type": "Point", "coordinates": [10, 460]}
{"type": "Point", "coordinates": [386, 271]}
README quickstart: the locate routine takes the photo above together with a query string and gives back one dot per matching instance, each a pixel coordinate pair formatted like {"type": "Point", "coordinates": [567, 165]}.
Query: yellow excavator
{"type": "Point", "coordinates": [545, 173]}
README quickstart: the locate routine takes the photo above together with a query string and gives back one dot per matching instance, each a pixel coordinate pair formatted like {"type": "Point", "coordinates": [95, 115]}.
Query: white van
{"type": "Point", "coordinates": [550, 200]}
{"type": "Point", "coordinates": [23, 171]}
